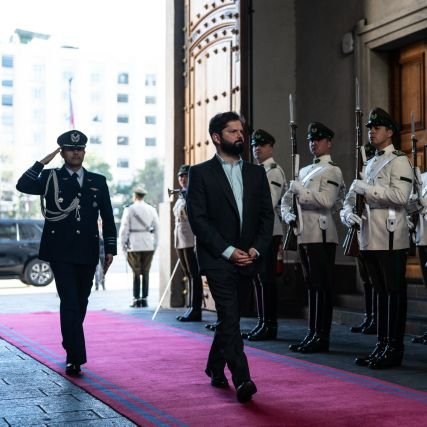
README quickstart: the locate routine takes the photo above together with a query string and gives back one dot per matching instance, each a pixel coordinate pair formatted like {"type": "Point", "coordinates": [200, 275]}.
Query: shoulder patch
{"type": "Point", "coordinates": [332, 163]}
{"type": "Point", "coordinates": [273, 165]}
{"type": "Point", "coordinates": [399, 153]}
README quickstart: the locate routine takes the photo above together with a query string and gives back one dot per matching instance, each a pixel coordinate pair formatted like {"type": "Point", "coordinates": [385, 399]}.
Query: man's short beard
{"type": "Point", "coordinates": [233, 149]}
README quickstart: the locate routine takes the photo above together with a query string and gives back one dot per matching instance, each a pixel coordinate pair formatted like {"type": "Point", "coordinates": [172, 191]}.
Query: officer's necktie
{"type": "Point", "coordinates": [75, 178]}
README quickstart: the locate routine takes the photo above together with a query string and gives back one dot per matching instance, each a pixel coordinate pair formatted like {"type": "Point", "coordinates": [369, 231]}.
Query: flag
{"type": "Point", "coordinates": [71, 112]}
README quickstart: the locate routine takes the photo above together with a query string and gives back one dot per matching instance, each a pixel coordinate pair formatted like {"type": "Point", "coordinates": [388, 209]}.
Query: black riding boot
{"type": "Point", "coordinates": [311, 321]}
{"type": "Point", "coordinates": [393, 354]}
{"type": "Point", "coordinates": [368, 291]}
{"type": "Point", "coordinates": [136, 290]}
{"type": "Point", "coordinates": [382, 328]}
{"type": "Point", "coordinates": [259, 306]}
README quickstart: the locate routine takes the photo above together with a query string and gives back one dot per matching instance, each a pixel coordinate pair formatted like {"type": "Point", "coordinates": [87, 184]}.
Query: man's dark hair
{"type": "Point", "coordinates": [220, 120]}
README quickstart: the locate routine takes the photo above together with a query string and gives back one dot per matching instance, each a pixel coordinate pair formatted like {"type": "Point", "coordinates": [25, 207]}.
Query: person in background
{"type": "Point", "coordinates": [265, 286]}
{"type": "Point", "coordinates": [139, 236]}
{"type": "Point", "coordinates": [320, 191]}
{"type": "Point", "coordinates": [384, 236]}
{"type": "Point", "coordinates": [73, 199]}
{"type": "Point", "coordinates": [230, 213]}
{"type": "Point", "coordinates": [185, 249]}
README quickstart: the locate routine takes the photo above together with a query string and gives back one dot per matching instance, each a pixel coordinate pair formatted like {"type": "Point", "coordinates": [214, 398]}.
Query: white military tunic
{"type": "Point", "coordinates": [389, 176]}
{"type": "Point", "coordinates": [322, 197]}
{"type": "Point", "coordinates": [135, 236]}
{"type": "Point", "coordinates": [277, 182]}
{"type": "Point", "coordinates": [184, 237]}
{"type": "Point", "coordinates": [421, 230]}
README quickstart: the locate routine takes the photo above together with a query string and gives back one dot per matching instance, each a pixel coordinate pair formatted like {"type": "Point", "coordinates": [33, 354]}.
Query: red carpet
{"type": "Point", "coordinates": [153, 374]}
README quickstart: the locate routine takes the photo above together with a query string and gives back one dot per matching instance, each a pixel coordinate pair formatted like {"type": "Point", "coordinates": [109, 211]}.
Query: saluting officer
{"type": "Point", "coordinates": [185, 249]}
{"type": "Point", "coordinates": [72, 200]}
{"type": "Point", "coordinates": [383, 237]}
{"type": "Point", "coordinates": [320, 189]}
{"type": "Point", "coordinates": [265, 287]}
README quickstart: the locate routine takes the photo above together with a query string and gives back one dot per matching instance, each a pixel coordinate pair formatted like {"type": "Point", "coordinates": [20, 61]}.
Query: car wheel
{"type": "Point", "coordinates": [38, 273]}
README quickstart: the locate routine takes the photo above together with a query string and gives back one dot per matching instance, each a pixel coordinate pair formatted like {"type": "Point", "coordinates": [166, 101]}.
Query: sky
{"type": "Point", "coordinates": [89, 23]}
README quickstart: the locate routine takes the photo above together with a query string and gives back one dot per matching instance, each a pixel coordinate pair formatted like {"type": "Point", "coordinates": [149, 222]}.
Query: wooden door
{"type": "Point", "coordinates": [212, 70]}
{"type": "Point", "coordinates": [409, 98]}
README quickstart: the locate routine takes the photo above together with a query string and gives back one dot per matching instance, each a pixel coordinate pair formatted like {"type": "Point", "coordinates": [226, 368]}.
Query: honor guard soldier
{"type": "Point", "coordinates": [320, 190]}
{"type": "Point", "coordinates": [265, 287]}
{"type": "Point", "coordinates": [185, 249]}
{"type": "Point", "coordinates": [384, 235]}
{"type": "Point", "coordinates": [421, 237]}
{"type": "Point", "coordinates": [72, 199]}
{"type": "Point", "coordinates": [139, 237]}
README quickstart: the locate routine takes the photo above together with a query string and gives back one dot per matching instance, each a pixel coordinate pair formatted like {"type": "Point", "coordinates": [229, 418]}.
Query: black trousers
{"type": "Point", "coordinates": [188, 261]}
{"type": "Point", "coordinates": [422, 254]}
{"type": "Point", "coordinates": [387, 270]}
{"type": "Point", "coordinates": [73, 283]}
{"type": "Point", "coordinates": [318, 261]}
{"type": "Point", "coordinates": [265, 287]}
{"type": "Point", "coordinates": [227, 345]}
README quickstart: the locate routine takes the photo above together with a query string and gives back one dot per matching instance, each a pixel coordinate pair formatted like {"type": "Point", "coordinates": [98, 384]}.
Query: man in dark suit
{"type": "Point", "coordinates": [230, 212]}
{"type": "Point", "coordinates": [72, 200]}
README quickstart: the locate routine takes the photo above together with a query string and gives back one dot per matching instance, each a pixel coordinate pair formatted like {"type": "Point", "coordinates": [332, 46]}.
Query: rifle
{"type": "Point", "coordinates": [295, 227]}
{"type": "Point", "coordinates": [351, 244]}
{"type": "Point", "coordinates": [414, 209]}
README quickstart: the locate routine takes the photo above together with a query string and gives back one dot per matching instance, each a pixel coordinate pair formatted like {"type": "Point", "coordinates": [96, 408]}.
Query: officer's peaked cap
{"type": "Point", "coordinates": [317, 131]}
{"type": "Point", "coordinates": [262, 137]}
{"type": "Point", "coordinates": [183, 170]}
{"type": "Point", "coordinates": [140, 189]}
{"type": "Point", "coordinates": [380, 117]}
{"type": "Point", "coordinates": [72, 139]}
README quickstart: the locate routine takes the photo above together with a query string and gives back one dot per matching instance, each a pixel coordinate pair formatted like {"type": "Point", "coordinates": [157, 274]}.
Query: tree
{"type": "Point", "coordinates": [95, 164]}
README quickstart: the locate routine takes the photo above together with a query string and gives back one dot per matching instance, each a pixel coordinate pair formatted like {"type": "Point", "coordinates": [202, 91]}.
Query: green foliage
{"type": "Point", "coordinates": [94, 164]}
{"type": "Point", "coordinates": [152, 177]}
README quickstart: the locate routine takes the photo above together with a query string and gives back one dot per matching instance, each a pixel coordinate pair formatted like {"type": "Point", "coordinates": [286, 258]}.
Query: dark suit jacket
{"type": "Point", "coordinates": [214, 217]}
{"type": "Point", "coordinates": [74, 239]}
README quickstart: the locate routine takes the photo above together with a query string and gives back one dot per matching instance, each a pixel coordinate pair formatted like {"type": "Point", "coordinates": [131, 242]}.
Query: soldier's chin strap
{"type": "Point", "coordinates": [61, 213]}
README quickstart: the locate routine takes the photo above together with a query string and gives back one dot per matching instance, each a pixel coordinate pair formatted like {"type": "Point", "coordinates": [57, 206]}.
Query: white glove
{"type": "Point", "coordinates": [359, 186]}
{"type": "Point", "coordinates": [295, 187]}
{"type": "Point", "coordinates": [351, 219]}
{"type": "Point", "coordinates": [411, 225]}
{"type": "Point", "coordinates": [289, 217]}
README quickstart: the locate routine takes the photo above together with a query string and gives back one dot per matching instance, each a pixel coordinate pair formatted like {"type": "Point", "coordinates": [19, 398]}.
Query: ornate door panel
{"type": "Point", "coordinates": [212, 70]}
{"type": "Point", "coordinates": [409, 96]}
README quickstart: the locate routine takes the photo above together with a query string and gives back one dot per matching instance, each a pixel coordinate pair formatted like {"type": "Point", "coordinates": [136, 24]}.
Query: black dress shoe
{"type": "Point", "coordinates": [185, 314]}
{"type": "Point", "coordinates": [135, 303]}
{"type": "Point", "coordinates": [217, 380]}
{"type": "Point", "coordinates": [211, 326]}
{"type": "Point", "coordinates": [390, 358]}
{"type": "Point", "coordinates": [359, 328]}
{"type": "Point", "coordinates": [192, 316]}
{"type": "Point", "coordinates": [245, 391]}
{"type": "Point", "coordinates": [420, 339]}
{"type": "Point", "coordinates": [318, 344]}
{"type": "Point", "coordinates": [371, 329]}
{"type": "Point", "coordinates": [306, 339]}
{"type": "Point", "coordinates": [266, 332]}
{"type": "Point", "coordinates": [377, 352]}
{"type": "Point", "coordinates": [142, 302]}
{"type": "Point", "coordinates": [72, 369]}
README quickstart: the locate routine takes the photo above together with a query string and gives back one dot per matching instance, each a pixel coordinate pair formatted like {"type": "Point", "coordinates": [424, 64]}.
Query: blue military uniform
{"type": "Point", "coordinates": [70, 239]}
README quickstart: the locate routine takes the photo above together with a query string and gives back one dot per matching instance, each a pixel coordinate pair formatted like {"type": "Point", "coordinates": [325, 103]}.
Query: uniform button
{"type": "Point", "coordinates": [53, 231]}
{"type": "Point", "coordinates": [78, 219]}
{"type": "Point", "coordinates": [79, 194]}
{"type": "Point", "coordinates": [78, 231]}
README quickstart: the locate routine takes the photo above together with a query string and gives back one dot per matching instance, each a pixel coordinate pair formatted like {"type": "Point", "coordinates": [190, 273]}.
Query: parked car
{"type": "Point", "coordinates": [19, 248]}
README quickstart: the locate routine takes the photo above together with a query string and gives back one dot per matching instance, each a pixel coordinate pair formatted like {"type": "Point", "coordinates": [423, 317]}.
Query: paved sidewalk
{"type": "Point", "coordinates": [33, 395]}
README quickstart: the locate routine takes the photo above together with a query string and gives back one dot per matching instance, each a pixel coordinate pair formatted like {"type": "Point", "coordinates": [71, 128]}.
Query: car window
{"type": "Point", "coordinates": [29, 232]}
{"type": "Point", "coordinates": [8, 232]}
